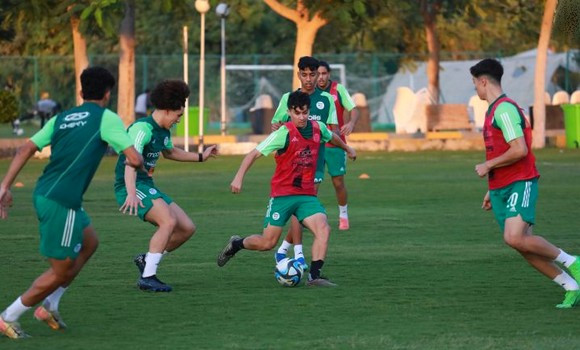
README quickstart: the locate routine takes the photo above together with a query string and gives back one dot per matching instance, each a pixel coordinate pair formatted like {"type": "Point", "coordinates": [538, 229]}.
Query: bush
{"type": "Point", "coordinates": [8, 106]}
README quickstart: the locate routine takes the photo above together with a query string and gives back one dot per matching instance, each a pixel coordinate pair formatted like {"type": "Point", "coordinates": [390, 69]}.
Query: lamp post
{"type": "Point", "coordinates": [202, 6]}
{"type": "Point", "coordinates": [223, 10]}
{"type": "Point", "coordinates": [185, 79]}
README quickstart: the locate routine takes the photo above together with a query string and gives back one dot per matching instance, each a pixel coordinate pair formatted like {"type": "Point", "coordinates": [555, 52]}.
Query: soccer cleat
{"type": "Point", "coordinates": [51, 318]}
{"type": "Point", "coordinates": [320, 282]}
{"type": "Point", "coordinates": [153, 284]}
{"type": "Point", "coordinates": [571, 299]}
{"type": "Point", "coordinates": [279, 257]}
{"type": "Point", "coordinates": [343, 224]}
{"type": "Point", "coordinates": [140, 262]}
{"type": "Point", "coordinates": [12, 330]}
{"type": "Point", "coordinates": [575, 269]}
{"type": "Point", "coordinates": [302, 263]}
{"type": "Point", "coordinates": [228, 252]}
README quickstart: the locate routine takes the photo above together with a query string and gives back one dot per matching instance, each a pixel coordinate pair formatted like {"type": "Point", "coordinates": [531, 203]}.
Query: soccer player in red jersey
{"type": "Point", "coordinates": [510, 167]}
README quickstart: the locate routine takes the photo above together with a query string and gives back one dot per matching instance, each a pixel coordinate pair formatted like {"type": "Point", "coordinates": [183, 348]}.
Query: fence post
{"type": "Point", "coordinates": [35, 58]}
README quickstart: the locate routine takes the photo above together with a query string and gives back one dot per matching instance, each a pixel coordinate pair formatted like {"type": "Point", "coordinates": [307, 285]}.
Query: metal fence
{"type": "Point", "coordinates": [369, 73]}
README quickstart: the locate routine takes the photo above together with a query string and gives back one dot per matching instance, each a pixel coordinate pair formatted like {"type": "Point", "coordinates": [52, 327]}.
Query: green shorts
{"type": "Point", "coordinates": [517, 198]}
{"type": "Point", "coordinates": [147, 193]}
{"type": "Point", "coordinates": [335, 161]}
{"type": "Point", "coordinates": [280, 209]}
{"type": "Point", "coordinates": [61, 228]}
{"type": "Point", "coordinates": [319, 175]}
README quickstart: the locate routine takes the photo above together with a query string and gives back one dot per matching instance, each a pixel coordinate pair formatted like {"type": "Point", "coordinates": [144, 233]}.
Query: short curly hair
{"type": "Point", "coordinates": [170, 95]}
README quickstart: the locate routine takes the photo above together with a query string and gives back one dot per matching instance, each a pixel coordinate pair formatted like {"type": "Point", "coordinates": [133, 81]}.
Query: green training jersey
{"type": "Point", "coordinates": [321, 108]}
{"type": "Point", "coordinates": [78, 139]}
{"type": "Point", "coordinates": [150, 140]}
{"type": "Point", "coordinates": [280, 139]}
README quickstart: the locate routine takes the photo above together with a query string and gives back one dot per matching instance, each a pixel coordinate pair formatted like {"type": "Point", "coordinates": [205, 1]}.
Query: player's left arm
{"type": "Point", "coordinates": [350, 111]}
{"type": "Point", "coordinates": [508, 119]}
{"type": "Point", "coordinates": [180, 155]}
{"type": "Point", "coordinates": [329, 136]}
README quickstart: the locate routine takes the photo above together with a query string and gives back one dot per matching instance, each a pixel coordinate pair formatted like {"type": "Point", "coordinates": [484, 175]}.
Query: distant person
{"type": "Point", "coordinates": [510, 167]}
{"type": "Point", "coordinates": [334, 157]}
{"type": "Point", "coordinates": [138, 195]}
{"type": "Point", "coordinates": [142, 105]}
{"type": "Point", "coordinates": [46, 108]}
{"type": "Point", "coordinates": [79, 138]}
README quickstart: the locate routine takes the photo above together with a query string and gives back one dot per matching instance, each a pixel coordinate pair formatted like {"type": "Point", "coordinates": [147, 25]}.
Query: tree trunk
{"type": "Point", "coordinates": [429, 12]}
{"type": "Point", "coordinates": [539, 133]}
{"type": "Point", "coordinates": [126, 92]}
{"type": "Point", "coordinates": [306, 30]}
{"type": "Point", "coordinates": [305, 36]}
{"type": "Point", "coordinates": [80, 56]}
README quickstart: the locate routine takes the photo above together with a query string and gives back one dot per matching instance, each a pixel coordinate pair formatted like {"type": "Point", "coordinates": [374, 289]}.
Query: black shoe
{"type": "Point", "coordinates": [152, 284]}
{"type": "Point", "coordinates": [140, 262]}
{"type": "Point", "coordinates": [228, 252]}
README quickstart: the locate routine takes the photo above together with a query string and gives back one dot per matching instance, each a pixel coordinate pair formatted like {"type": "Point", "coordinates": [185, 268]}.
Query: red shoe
{"type": "Point", "coordinates": [343, 224]}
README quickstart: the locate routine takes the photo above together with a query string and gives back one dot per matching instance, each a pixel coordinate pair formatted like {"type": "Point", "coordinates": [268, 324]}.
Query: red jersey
{"type": "Point", "coordinates": [296, 167]}
{"type": "Point", "coordinates": [339, 110]}
{"type": "Point", "coordinates": [495, 146]}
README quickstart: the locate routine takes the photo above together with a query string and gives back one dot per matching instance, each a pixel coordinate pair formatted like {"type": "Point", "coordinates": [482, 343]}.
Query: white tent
{"type": "Point", "coordinates": [456, 85]}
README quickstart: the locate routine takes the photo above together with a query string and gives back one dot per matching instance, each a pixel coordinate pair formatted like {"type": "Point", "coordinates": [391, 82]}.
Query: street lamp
{"type": "Point", "coordinates": [223, 10]}
{"type": "Point", "coordinates": [202, 6]}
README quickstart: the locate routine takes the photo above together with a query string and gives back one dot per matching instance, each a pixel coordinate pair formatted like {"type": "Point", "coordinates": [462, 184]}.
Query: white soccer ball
{"type": "Point", "coordinates": [288, 272]}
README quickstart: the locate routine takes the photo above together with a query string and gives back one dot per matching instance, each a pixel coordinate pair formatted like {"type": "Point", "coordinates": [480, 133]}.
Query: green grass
{"type": "Point", "coordinates": [423, 267]}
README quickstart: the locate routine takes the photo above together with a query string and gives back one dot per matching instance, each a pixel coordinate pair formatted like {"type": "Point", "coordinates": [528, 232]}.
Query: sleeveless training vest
{"type": "Point", "coordinates": [295, 168]}
{"type": "Point", "coordinates": [495, 145]}
{"type": "Point", "coordinates": [339, 111]}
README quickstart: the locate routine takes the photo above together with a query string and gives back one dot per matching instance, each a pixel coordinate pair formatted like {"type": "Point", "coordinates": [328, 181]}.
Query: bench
{"type": "Point", "coordinates": [447, 117]}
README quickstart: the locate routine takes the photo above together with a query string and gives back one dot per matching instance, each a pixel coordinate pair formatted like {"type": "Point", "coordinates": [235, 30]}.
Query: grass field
{"type": "Point", "coordinates": [423, 267]}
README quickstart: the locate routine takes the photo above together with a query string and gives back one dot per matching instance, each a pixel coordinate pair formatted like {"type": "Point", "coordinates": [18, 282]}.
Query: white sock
{"type": "Point", "coordinates": [284, 247]}
{"type": "Point", "coordinates": [343, 211]}
{"type": "Point", "coordinates": [14, 311]}
{"type": "Point", "coordinates": [566, 281]}
{"type": "Point", "coordinates": [52, 301]}
{"type": "Point", "coordinates": [565, 259]}
{"type": "Point", "coordinates": [298, 251]}
{"type": "Point", "coordinates": [151, 262]}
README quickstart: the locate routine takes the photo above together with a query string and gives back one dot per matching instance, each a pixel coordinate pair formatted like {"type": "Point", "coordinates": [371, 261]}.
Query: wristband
{"type": "Point", "coordinates": [200, 157]}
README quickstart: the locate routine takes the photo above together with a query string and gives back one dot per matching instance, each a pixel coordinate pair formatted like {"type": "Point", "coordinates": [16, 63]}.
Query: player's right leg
{"type": "Point", "coordinates": [266, 241]}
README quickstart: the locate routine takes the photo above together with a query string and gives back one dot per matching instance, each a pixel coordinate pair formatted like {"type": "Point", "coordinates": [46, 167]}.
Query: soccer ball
{"type": "Point", "coordinates": [288, 272]}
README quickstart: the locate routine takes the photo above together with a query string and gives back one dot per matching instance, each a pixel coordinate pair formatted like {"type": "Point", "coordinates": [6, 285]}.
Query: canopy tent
{"type": "Point", "coordinates": [456, 85]}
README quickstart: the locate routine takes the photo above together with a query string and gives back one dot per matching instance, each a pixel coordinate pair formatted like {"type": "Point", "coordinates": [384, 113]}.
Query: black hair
{"type": "Point", "coordinates": [325, 65]}
{"type": "Point", "coordinates": [298, 99]}
{"type": "Point", "coordinates": [169, 95]}
{"type": "Point", "coordinates": [490, 67]}
{"type": "Point", "coordinates": [95, 82]}
{"type": "Point", "coordinates": [308, 62]}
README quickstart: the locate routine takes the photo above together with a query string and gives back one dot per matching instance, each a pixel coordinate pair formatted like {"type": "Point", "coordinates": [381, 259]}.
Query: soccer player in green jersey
{"type": "Point", "coordinates": [334, 157]}
{"type": "Point", "coordinates": [293, 193]}
{"type": "Point", "coordinates": [322, 109]}
{"type": "Point", "coordinates": [78, 138]}
{"type": "Point", "coordinates": [513, 182]}
{"type": "Point", "coordinates": [136, 192]}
